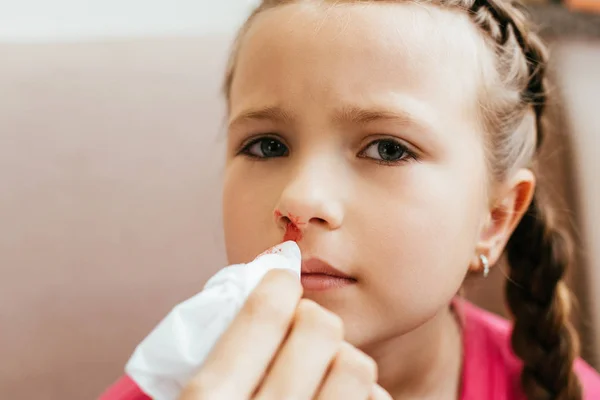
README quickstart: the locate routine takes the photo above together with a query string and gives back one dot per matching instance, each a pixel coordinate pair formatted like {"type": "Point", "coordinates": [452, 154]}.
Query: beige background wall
{"type": "Point", "coordinates": [110, 158]}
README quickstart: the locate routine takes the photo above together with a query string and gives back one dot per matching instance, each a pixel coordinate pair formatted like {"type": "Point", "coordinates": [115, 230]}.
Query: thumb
{"type": "Point", "coordinates": [379, 393]}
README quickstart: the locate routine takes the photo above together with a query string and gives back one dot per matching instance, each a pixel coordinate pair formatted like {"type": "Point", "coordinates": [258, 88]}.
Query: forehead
{"type": "Point", "coordinates": [349, 50]}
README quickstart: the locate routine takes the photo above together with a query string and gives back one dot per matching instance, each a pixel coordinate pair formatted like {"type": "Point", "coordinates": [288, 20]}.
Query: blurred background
{"type": "Point", "coordinates": [111, 142]}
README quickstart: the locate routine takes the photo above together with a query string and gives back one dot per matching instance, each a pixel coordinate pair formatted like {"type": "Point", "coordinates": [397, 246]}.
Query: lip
{"type": "Point", "coordinates": [317, 275]}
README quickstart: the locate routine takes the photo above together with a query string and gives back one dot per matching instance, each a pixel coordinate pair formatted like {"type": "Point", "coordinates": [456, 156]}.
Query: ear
{"type": "Point", "coordinates": [509, 203]}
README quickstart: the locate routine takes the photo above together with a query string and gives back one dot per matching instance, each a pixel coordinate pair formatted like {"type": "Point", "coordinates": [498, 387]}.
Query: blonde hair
{"type": "Point", "coordinates": [538, 252]}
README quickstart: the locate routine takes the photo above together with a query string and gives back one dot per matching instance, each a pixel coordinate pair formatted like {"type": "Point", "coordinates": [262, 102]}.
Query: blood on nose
{"type": "Point", "coordinates": [292, 229]}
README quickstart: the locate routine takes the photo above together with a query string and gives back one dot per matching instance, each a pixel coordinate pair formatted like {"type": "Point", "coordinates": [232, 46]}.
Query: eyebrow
{"type": "Point", "coordinates": [275, 113]}
{"type": "Point", "coordinates": [362, 116]}
{"type": "Point", "coordinates": [346, 115]}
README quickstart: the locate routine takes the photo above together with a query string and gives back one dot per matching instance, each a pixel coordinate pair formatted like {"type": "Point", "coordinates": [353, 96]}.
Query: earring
{"type": "Point", "coordinates": [486, 265]}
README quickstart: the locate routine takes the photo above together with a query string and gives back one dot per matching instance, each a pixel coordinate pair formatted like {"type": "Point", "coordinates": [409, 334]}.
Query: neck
{"type": "Point", "coordinates": [424, 363]}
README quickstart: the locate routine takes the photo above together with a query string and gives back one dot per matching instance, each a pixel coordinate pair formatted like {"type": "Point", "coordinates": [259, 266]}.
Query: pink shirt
{"type": "Point", "coordinates": [490, 369]}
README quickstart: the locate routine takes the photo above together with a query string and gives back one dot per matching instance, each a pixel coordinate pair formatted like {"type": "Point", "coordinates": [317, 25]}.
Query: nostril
{"type": "Point", "coordinates": [282, 219]}
{"type": "Point", "coordinates": [292, 225]}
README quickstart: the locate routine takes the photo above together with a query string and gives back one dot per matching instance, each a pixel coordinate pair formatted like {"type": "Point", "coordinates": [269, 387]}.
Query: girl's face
{"type": "Point", "coordinates": [361, 120]}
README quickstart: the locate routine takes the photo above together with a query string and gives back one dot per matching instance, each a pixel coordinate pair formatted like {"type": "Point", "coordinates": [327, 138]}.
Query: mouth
{"type": "Point", "coordinates": [317, 275]}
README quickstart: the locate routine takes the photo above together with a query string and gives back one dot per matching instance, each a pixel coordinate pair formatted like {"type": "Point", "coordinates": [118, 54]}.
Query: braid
{"type": "Point", "coordinates": [505, 23]}
{"type": "Point", "coordinates": [543, 336]}
{"type": "Point", "coordinates": [538, 252]}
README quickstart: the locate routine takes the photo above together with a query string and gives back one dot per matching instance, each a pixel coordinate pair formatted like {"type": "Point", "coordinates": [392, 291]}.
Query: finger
{"type": "Point", "coordinates": [238, 361]}
{"type": "Point", "coordinates": [352, 375]}
{"type": "Point", "coordinates": [379, 393]}
{"type": "Point", "coordinates": [304, 358]}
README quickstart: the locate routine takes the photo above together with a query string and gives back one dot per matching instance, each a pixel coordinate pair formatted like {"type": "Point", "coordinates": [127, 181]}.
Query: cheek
{"type": "Point", "coordinates": [421, 237]}
{"type": "Point", "coordinates": [247, 209]}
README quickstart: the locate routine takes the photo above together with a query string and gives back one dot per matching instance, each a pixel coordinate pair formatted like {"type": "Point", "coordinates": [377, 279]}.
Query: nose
{"type": "Point", "coordinates": [312, 198]}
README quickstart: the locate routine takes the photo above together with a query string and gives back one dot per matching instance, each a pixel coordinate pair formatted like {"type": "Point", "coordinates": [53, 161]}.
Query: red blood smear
{"type": "Point", "coordinates": [295, 220]}
{"type": "Point", "coordinates": [272, 250]}
{"type": "Point", "coordinates": [292, 232]}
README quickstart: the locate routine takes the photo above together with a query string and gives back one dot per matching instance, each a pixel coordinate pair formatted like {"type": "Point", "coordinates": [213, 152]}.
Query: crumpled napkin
{"type": "Point", "coordinates": [165, 361]}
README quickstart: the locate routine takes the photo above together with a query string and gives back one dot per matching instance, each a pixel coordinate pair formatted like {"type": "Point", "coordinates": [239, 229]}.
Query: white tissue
{"type": "Point", "coordinates": [173, 352]}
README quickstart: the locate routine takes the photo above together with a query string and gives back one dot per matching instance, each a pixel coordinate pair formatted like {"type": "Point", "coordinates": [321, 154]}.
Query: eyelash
{"type": "Point", "coordinates": [245, 148]}
{"type": "Point", "coordinates": [409, 155]}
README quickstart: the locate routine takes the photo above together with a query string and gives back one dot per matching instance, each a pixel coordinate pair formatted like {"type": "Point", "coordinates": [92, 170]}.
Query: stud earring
{"type": "Point", "coordinates": [486, 265]}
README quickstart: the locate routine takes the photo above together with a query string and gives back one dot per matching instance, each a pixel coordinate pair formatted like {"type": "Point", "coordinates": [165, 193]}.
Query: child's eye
{"type": "Point", "coordinates": [387, 151]}
{"type": "Point", "coordinates": [265, 147]}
